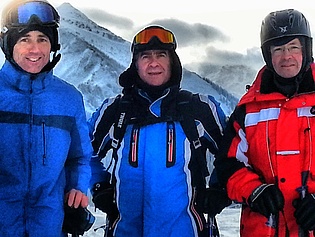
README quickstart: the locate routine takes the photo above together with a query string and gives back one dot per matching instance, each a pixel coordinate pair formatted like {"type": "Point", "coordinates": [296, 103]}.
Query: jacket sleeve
{"type": "Point", "coordinates": [231, 162]}
{"type": "Point", "coordinates": [100, 130]}
{"type": "Point", "coordinates": [78, 171]}
{"type": "Point", "coordinates": [213, 120]}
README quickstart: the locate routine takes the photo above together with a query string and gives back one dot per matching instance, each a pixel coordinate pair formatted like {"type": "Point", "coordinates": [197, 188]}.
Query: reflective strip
{"type": "Point", "coordinates": [305, 112]}
{"type": "Point", "coordinates": [272, 114]}
{"type": "Point", "coordinates": [284, 153]}
{"type": "Point", "coordinates": [133, 156]}
{"type": "Point", "coordinates": [261, 116]}
{"type": "Point", "coordinates": [242, 147]}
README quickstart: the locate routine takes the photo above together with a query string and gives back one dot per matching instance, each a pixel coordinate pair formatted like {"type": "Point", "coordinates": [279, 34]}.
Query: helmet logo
{"type": "Point", "coordinates": [283, 29]}
{"type": "Point", "coordinates": [4, 30]}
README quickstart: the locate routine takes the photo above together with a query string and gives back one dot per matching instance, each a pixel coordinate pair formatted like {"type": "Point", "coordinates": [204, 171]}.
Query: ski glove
{"type": "Point", "coordinates": [305, 212]}
{"type": "Point", "coordinates": [77, 220]}
{"type": "Point", "coordinates": [266, 199]}
{"type": "Point", "coordinates": [103, 199]}
{"type": "Point", "coordinates": [216, 200]}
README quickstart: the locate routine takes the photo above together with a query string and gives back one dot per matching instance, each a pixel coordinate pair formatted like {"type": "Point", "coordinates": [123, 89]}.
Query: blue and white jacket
{"type": "Point", "coordinates": [155, 195]}
{"type": "Point", "coordinates": [44, 151]}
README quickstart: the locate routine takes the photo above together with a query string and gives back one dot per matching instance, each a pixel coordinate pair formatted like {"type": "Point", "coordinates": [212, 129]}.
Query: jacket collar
{"type": "Point", "coordinates": [22, 80]}
{"type": "Point", "coordinates": [270, 92]}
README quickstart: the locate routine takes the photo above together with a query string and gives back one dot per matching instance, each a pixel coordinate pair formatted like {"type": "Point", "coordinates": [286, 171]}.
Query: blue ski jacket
{"type": "Point", "coordinates": [44, 151]}
{"type": "Point", "coordinates": [155, 194]}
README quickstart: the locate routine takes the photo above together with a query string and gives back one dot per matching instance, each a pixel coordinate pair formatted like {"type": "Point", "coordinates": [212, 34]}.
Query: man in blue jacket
{"type": "Point", "coordinates": [44, 147]}
{"type": "Point", "coordinates": [159, 174]}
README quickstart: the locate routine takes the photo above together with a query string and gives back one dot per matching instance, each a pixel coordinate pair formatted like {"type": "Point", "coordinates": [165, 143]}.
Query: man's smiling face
{"type": "Point", "coordinates": [32, 51]}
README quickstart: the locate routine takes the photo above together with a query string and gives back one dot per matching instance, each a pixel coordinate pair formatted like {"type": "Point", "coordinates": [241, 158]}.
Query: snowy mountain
{"type": "Point", "coordinates": [232, 77]}
{"type": "Point", "coordinates": [93, 58]}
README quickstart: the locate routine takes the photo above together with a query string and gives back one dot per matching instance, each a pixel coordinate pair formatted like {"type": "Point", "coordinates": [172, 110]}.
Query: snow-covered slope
{"type": "Point", "coordinates": [93, 58]}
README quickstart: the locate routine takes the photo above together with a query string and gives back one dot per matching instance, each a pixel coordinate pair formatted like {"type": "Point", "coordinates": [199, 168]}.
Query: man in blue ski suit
{"type": "Point", "coordinates": [158, 184]}
{"type": "Point", "coordinates": [45, 148]}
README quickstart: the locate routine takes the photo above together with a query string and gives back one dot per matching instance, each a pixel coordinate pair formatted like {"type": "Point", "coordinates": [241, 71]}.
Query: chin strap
{"type": "Point", "coordinates": [52, 64]}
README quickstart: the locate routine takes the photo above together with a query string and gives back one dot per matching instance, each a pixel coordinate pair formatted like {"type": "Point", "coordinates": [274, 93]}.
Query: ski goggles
{"type": "Point", "coordinates": [22, 14]}
{"type": "Point", "coordinates": [144, 36]}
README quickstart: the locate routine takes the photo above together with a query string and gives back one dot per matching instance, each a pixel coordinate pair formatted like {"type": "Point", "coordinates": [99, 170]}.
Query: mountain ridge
{"type": "Point", "coordinates": [93, 58]}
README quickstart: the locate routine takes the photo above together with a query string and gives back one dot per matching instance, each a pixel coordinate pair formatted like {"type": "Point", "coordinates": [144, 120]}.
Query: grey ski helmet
{"type": "Point", "coordinates": [21, 16]}
{"type": "Point", "coordinates": [282, 25]}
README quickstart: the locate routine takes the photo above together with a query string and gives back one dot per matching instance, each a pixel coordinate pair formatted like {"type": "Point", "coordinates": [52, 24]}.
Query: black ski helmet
{"type": "Point", "coordinates": [22, 16]}
{"type": "Point", "coordinates": [285, 24]}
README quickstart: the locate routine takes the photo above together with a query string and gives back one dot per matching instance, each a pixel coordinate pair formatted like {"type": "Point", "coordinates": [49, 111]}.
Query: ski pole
{"type": "Point", "coordinates": [106, 233]}
{"type": "Point", "coordinates": [303, 191]}
{"type": "Point", "coordinates": [271, 223]}
{"type": "Point", "coordinates": [213, 227]}
{"type": "Point", "coordinates": [105, 227]}
{"type": "Point", "coordinates": [310, 233]}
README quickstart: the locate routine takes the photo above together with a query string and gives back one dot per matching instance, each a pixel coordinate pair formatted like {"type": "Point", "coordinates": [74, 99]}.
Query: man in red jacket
{"type": "Point", "coordinates": [266, 158]}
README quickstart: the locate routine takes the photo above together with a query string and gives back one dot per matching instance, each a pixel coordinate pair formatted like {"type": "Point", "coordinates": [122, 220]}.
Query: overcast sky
{"type": "Point", "coordinates": [204, 29]}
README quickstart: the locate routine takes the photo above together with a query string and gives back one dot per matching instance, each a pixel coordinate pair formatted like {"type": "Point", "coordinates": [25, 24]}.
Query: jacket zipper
{"type": "Point", "coordinates": [44, 142]}
{"type": "Point", "coordinates": [133, 156]}
{"type": "Point", "coordinates": [170, 151]}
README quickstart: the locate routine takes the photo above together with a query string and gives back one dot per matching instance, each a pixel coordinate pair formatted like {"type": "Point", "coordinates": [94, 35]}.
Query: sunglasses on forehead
{"type": "Point", "coordinates": [27, 11]}
{"type": "Point", "coordinates": [144, 36]}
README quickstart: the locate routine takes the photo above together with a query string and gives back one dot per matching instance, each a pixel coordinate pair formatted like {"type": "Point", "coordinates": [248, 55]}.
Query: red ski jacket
{"type": "Point", "coordinates": [270, 138]}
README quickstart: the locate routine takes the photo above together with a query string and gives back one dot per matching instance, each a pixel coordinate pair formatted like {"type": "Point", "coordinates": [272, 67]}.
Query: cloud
{"type": "Point", "coordinates": [223, 57]}
{"type": "Point", "coordinates": [191, 34]}
{"type": "Point", "coordinates": [216, 58]}
{"type": "Point", "coordinates": [187, 35]}
{"type": "Point", "coordinates": [105, 18]}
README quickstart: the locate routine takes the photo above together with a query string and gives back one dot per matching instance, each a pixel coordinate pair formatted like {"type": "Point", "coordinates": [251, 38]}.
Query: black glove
{"type": "Point", "coordinates": [216, 200]}
{"type": "Point", "coordinates": [266, 199]}
{"type": "Point", "coordinates": [77, 220]}
{"type": "Point", "coordinates": [103, 198]}
{"type": "Point", "coordinates": [305, 212]}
